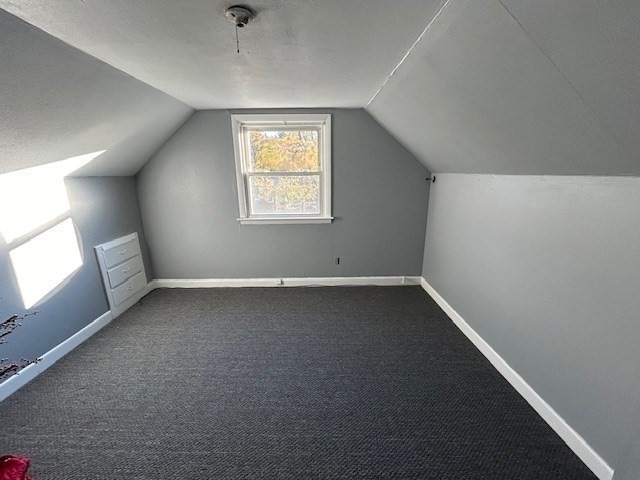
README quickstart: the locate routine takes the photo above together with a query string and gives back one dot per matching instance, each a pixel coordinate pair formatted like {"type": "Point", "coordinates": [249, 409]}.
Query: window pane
{"type": "Point", "coordinates": [283, 150]}
{"type": "Point", "coordinates": [285, 195]}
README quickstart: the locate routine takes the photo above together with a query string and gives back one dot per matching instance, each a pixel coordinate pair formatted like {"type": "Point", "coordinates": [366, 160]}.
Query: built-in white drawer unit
{"type": "Point", "coordinates": [119, 253]}
{"type": "Point", "coordinates": [122, 269]}
{"type": "Point", "coordinates": [120, 273]}
{"type": "Point", "coordinates": [128, 288]}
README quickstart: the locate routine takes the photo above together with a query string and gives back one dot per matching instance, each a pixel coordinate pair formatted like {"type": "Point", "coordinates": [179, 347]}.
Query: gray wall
{"type": "Point", "coordinates": [102, 209]}
{"type": "Point", "coordinates": [630, 466]}
{"type": "Point", "coordinates": [552, 91]}
{"type": "Point", "coordinates": [57, 102]}
{"type": "Point", "coordinates": [190, 208]}
{"type": "Point", "coordinates": [545, 269]}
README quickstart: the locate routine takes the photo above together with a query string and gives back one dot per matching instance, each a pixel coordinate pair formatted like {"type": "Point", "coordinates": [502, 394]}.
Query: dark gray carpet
{"type": "Point", "coordinates": [291, 383]}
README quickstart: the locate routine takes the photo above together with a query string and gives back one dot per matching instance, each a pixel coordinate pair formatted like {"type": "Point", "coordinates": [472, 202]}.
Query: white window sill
{"type": "Point", "coordinates": [284, 220]}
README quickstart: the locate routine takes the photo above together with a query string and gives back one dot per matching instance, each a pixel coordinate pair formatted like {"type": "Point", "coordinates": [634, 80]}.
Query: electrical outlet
{"type": "Point", "coordinates": [336, 261]}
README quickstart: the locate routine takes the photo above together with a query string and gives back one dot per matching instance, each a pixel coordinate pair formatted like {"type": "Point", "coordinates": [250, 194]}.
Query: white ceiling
{"type": "Point", "coordinates": [296, 53]}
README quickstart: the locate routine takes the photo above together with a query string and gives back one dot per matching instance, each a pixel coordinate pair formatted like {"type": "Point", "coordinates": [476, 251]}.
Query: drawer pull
{"type": "Point", "coordinates": [122, 252]}
{"type": "Point", "coordinates": [126, 270]}
{"type": "Point", "coordinates": [130, 287]}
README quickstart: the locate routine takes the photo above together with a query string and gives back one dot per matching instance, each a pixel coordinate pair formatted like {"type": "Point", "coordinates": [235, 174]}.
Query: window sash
{"type": "Point", "coordinates": [249, 200]}
{"type": "Point", "coordinates": [320, 123]}
{"type": "Point", "coordinates": [246, 142]}
{"type": "Point", "coordinates": [283, 174]}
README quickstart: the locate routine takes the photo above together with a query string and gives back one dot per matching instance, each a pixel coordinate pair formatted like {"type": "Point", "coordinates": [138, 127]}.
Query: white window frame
{"type": "Point", "coordinates": [241, 123]}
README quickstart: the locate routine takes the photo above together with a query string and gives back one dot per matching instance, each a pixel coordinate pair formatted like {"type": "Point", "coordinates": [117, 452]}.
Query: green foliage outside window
{"type": "Point", "coordinates": [286, 151]}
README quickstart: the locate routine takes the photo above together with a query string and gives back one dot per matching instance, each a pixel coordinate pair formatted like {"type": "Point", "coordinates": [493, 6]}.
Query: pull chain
{"type": "Point", "coordinates": [240, 15]}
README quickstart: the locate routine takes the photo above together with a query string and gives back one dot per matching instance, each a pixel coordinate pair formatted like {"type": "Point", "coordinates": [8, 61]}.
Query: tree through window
{"type": "Point", "coordinates": [283, 167]}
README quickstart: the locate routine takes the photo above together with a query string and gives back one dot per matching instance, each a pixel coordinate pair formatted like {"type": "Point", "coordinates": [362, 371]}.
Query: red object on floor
{"type": "Point", "coordinates": [13, 468]}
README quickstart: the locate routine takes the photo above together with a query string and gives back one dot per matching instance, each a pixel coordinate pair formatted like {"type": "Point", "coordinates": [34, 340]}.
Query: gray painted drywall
{"type": "Point", "coordinates": [545, 269]}
{"type": "Point", "coordinates": [630, 464]}
{"type": "Point", "coordinates": [595, 44]}
{"type": "Point", "coordinates": [102, 209]}
{"type": "Point", "coordinates": [189, 206]}
{"type": "Point", "coordinates": [295, 53]}
{"type": "Point", "coordinates": [57, 102]}
{"type": "Point", "coordinates": [479, 95]}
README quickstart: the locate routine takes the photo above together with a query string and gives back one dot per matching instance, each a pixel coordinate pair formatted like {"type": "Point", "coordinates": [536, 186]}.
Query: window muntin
{"type": "Point", "coordinates": [283, 168]}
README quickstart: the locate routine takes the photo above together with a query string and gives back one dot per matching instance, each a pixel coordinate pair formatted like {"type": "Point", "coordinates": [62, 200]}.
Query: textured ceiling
{"type": "Point", "coordinates": [57, 102]}
{"type": "Point", "coordinates": [491, 86]}
{"type": "Point", "coordinates": [296, 53]}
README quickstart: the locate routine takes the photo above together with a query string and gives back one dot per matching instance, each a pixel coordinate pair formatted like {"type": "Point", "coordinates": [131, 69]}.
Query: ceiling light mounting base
{"type": "Point", "coordinates": [240, 15]}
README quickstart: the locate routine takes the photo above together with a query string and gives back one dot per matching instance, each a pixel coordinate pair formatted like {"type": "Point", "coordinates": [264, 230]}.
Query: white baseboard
{"type": "Point", "coordinates": [284, 282]}
{"type": "Point", "coordinates": [30, 372]}
{"type": "Point", "coordinates": [12, 384]}
{"type": "Point", "coordinates": [572, 438]}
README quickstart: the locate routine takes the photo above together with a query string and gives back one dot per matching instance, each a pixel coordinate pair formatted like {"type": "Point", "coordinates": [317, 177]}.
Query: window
{"type": "Point", "coordinates": [283, 168]}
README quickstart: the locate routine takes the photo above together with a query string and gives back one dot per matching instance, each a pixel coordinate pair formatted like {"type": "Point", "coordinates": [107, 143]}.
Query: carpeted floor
{"type": "Point", "coordinates": [291, 383]}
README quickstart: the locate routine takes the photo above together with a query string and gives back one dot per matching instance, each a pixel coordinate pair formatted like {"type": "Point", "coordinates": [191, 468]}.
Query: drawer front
{"type": "Point", "coordinates": [128, 288]}
{"type": "Point", "coordinates": [115, 255]}
{"type": "Point", "coordinates": [124, 271]}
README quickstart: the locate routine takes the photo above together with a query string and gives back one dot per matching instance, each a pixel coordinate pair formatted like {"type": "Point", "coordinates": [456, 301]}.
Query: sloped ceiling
{"type": "Point", "coordinates": [296, 53]}
{"type": "Point", "coordinates": [545, 87]}
{"type": "Point", "coordinates": [487, 86]}
{"type": "Point", "coordinates": [57, 102]}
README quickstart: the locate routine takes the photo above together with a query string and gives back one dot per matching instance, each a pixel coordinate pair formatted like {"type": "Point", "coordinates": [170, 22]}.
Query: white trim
{"type": "Point", "coordinates": [118, 241]}
{"type": "Point", "coordinates": [283, 282]}
{"type": "Point", "coordinates": [572, 438]}
{"type": "Point", "coordinates": [283, 220]}
{"type": "Point", "coordinates": [322, 122]}
{"type": "Point", "coordinates": [30, 372]}
{"type": "Point", "coordinates": [236, 129]}
{"type": "Point", "coordinates": [259, 119]}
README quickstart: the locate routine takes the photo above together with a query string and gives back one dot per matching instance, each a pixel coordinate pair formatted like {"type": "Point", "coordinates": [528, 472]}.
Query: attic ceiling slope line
{"type": "Point", "coordinates": [477, 95]}
{"type": "Point", "coordinates": [58, 103]}
{"type": "Point", "coordinates": [413, 153]}
{"type": "Point", "coordinates": [406, 55]}
{"type": "Point", "coordinates": [565, 77]}
{"type": "Point", "coordinates": [83, 52]}
{"type": "Point", "coordinates": [110, 163]}
{"type": "Point", "coordinates": [166, 140]}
